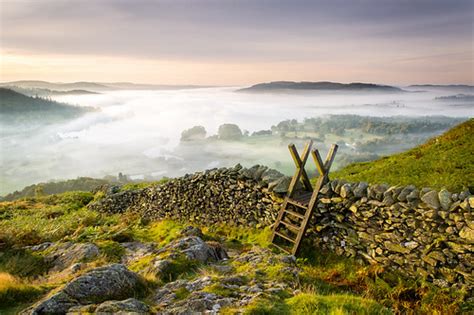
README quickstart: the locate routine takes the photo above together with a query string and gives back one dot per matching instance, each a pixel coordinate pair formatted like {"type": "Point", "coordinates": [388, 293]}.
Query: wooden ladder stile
{"type": "Point", "coordinates": [306, 201]}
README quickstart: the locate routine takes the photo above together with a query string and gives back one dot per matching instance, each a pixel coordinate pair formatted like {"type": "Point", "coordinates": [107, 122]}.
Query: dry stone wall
{"type": "Point", "coordinates": [231, 195]}
{"type": "Point", "coordinates": [419, 232]}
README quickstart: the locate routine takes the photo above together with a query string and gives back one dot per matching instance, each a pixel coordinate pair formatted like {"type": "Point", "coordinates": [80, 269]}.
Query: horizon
{"type": "Point", "coordinates": [234, 85]}
{"type": "Point", "coordinates": [237, 43]}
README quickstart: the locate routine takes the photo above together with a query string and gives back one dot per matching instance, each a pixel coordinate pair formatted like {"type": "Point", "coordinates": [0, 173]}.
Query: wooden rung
{"type": "Point", "coordinates": [281, 248]}
{"type": "Point", "coordinates": [296, 214]}
{"type": "Point", "coordinates": [285, 237]}
{"type": "Point", "coordinates": [298, 203]}
{"type": "Point", "coordinates": [291, 226]}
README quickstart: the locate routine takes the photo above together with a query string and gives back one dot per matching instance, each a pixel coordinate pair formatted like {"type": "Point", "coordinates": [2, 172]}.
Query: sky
{"type": "Point", "coordinates": [224, 42]}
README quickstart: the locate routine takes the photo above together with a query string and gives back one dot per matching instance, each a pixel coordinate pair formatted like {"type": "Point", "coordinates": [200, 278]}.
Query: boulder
{"type": "Point", "coordinates": [196, 249]}
{"type": "Point", "coordinates": [126, 306]}
{"type": "Point", "coordinates": [58, 303]}
{"type": "Point", "coordinates": [64, 255]}
{"type": "Point", "coordinates": [98, 285]}
{"type": "Point", "coordinates": [137, 250]}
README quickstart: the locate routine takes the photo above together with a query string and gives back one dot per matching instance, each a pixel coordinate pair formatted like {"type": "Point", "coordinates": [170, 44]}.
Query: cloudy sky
{"type": "Point", "coordinates": [225, 42]}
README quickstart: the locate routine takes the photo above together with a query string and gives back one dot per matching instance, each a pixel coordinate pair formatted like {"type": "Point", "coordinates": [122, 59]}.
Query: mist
{"type": "Point", "coordinates": [138, 132]}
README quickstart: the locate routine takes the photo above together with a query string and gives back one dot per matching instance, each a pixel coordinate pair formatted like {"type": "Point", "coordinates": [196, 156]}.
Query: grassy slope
{"type": "Point", "coordinates": [328, 284]}
{"type": "Point", "coordinates": [446, 161]}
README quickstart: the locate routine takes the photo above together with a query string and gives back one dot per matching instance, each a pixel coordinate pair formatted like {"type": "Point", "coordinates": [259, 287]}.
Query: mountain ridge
{"type": "Point", "coordinates": [94, 86]}
{"type": "Point", "coordinates": [319, 86]}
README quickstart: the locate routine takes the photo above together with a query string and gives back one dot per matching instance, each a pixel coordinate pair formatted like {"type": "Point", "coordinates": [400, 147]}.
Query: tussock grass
{"type": "Point", "coordinates": [311, 303]}
{"type": "Point", "coordinates": [22, 263]}
{"type": "Point", "coordinates": [238, 236]}
{"type": "Point", "coordinates": [14, 291]}
{"type": "Point", "coordinates": [162, 232]}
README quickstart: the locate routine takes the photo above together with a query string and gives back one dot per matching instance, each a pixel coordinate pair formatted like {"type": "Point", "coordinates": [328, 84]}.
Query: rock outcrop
{"type": "Point", "coordinates": [193, 276]}
{"type": "Point", "coordinates": [113, 282]}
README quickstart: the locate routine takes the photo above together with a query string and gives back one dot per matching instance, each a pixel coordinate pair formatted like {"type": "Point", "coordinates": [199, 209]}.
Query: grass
{"type": "Point", "coordinates": [162, 232]}
{"type": "Point", "coordinates": [141, 185]}
{"type": "Point", "coordinates": [238, 236]}
{"type": "Point", "coordinates": [311, 303]}
{"type": "Point", "coordinates": [328, 274]}
{"type": "Point", "coordinates": [111, 250]}
{"type": "Point", "coordinates": [329, 284]}
{"type": "Point", "coordinates": [219, 289]}
{"type": "Point", "coordinates": [14, 291]}
{"type": "Point", "coordinates": [442, 162]}
{"type": "Point", "coordinates": [22, 263]}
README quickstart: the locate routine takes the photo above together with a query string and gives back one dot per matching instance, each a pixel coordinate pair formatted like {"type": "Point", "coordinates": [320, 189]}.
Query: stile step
{"type": "Point", "coordinates": [295, 214]}
{"type": "Point", "coordinates": [291, 226]}
{"type": "Point", "coordinates": [285, 237]}
{"type": "Point", "coordinates": [282, 248]}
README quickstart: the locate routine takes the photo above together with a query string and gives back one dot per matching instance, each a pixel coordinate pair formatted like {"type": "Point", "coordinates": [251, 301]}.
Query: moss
{"type": "Point", "coordinates": [219, 289]}
{"type": "Point", "coordinates": [112, 250]}
{"type": "Point", "coordinates": [278, 272]}
{"type": "Point", "coordinates": [162, 232]}
{"type": "Point", "coordinates": [13, 291]}
{"type": "Point", "coordinates": [182, 293]}
{"type": "Point", "coordinates": [142, 263]}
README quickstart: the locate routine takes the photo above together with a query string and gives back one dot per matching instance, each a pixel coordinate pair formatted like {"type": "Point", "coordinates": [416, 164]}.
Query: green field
{"type": "Point", "coordinates": [446, 161]}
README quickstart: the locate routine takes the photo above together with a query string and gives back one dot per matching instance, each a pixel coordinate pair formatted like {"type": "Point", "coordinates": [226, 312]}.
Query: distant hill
{"type": "Point", "coordinates": [320, 86]}
{"type": "Point", "coordinates": [16, 108]}
{"type": "Point", "coordinates": [92, 86]}
{"type": "Point", "coordinates": [57, 86]}
{"type": "Point", "coordinates": [47, 92]}
{"type": "Point", "coordinates": [78, 184]}
{"type": "Point", "coordinates": [447, 87]}
{"type": "Point", "coordinates": [136, 86]}
{"type": "Point", "coordinates": [444, 161]}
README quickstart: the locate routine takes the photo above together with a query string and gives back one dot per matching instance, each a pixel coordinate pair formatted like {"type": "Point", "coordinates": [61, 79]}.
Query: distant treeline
{"type": "Point", "coordinates": [337, 124]}
{"type": "Point", "coordinates": [332, 124]}
{"type": "Point", "coordinates": [18, 108]}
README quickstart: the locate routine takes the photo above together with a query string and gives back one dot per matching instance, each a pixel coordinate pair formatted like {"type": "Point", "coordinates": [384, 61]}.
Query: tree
{"type": "Point", "coordinates": [194, 133]}
{"type": "Point", "coordinates": [229, 132]}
